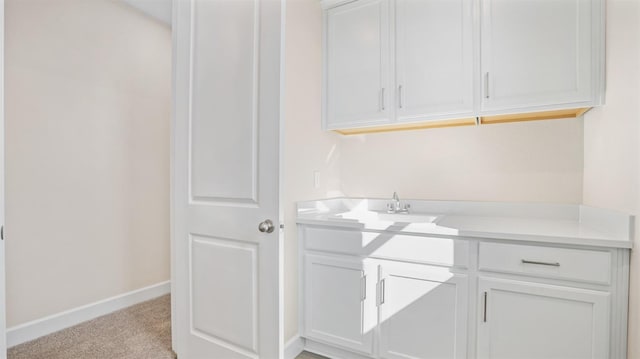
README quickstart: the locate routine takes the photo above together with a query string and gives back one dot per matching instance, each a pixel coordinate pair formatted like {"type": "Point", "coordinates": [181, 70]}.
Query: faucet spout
{"type": "Point", "coordinates": [394, 205]}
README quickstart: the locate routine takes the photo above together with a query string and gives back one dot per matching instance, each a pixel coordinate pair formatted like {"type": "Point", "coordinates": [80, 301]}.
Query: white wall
{"type": "Point", "coordinates": [612, 139]}
{"type": "Point", "coordinates": [158, 9]}
{"type": "Point", "coordinates": [88, 92]}
{"type": "Point", "coordinates": [538, 161]}
{"type": "Point", "coordinates": [306, 148]}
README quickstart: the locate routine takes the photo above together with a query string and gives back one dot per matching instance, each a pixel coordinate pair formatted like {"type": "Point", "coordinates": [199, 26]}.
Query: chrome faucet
{"type": "Point", "coordinates": [395, 207]}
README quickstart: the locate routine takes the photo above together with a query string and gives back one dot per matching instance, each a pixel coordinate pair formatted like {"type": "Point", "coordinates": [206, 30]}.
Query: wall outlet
{"type": "Point", "coordinates": [316, 179]}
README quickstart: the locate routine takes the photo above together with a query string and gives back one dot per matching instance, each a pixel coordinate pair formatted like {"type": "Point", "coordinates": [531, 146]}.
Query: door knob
{"type": "Point", "coordinates": [266, 226]}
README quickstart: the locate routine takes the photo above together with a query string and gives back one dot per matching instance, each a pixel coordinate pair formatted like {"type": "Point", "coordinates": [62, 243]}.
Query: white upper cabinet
{"type": "Point", "coordinates": [392, 62]}
{"type": "Point", "coordinates": [357, 85]}
{"type": "Point", "coordinates": [434, 59]}
{"type": "Point", "coordinates": [540, 54]}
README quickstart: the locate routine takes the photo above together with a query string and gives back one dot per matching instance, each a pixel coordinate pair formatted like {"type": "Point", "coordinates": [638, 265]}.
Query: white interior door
{"type": "Point", "coordinates": [226, 273]}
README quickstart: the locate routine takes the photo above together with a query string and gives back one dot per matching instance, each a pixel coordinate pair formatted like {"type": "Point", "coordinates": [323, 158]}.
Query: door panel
{"type": "Point", "coordinates": [529, 320]}
{"type": "Point", "coordinates": [424, 313]}
{"type": "Point", "coordinates": [225, 81]}
{"type": "Point", "coordinates": [226, 273]}
{"type": "Point", "coordinates": [229, 267]}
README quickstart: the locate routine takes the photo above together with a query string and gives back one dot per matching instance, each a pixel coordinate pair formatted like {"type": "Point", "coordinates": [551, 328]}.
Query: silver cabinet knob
{"type": "Point", "coordinates": [266, 226]}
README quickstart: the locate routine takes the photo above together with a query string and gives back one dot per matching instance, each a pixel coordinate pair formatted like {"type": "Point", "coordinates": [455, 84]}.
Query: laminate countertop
{"type": "Point", "coordinates": [534, 222]}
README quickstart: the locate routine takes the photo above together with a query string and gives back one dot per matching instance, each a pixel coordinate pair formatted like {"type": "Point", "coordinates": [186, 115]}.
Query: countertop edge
{"type": "Point", "coordinates": [582, 241]}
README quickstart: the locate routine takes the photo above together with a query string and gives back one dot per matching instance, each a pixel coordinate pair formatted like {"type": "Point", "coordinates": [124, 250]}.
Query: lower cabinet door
{"type": "Point", "coordinates": [423, 312]}
{"type": "Point", "coordinates": [519, 320]}
{"type": "Point", "coordinates": [340, 301]}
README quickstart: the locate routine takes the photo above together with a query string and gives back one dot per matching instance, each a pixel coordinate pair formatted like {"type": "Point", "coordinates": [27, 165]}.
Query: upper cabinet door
{"type": "Point", "coordinates": [434, 59]}
{"type": "Point", "coordinates": [357, 88]}
{"type": "Point", "coordinates": [539, 54]}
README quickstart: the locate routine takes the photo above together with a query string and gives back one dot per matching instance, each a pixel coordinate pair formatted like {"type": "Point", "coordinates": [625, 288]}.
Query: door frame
{"type": "Point", "coordinates": [3, 322]}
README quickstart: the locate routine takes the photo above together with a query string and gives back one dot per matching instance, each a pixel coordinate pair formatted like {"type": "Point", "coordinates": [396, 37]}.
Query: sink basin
{"type": "Point", "coordinates": [364, 216]}
{"type": "Point", "coordinates": [407, 217]}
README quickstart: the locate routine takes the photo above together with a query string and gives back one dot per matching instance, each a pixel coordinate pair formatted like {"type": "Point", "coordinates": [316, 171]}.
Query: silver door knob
{"type": "Point", "coordinates": [266, 226]}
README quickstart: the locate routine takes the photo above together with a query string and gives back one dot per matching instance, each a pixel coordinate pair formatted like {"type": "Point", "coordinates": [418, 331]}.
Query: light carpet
{"type": "Point", "coordinates": [142, 331]}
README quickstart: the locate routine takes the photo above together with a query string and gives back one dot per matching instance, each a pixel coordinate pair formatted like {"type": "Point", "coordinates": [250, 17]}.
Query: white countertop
{"type": "Point", "coordinates": [548, 223]}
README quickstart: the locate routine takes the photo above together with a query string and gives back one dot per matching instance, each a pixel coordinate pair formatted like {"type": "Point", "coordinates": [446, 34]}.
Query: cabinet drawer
{"type": "Point", "coordinates": [428, 250]}
{"type": "Point", "coordinates": [561, 263]}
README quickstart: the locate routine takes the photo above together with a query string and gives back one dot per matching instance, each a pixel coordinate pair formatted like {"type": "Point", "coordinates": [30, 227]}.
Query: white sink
{"type": "Point", "coordinates": [367, 216]}
{"type": "Point", "coordinates": [407, 217]}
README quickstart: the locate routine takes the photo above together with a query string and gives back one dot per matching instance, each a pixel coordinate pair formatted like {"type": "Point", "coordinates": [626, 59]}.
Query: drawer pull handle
{"type": "Point", "coordinates": [484, 315]}
{"type": "Point", "coordinates": [486, 85]}
{"type": "Point", "coordinates": [552, 264]}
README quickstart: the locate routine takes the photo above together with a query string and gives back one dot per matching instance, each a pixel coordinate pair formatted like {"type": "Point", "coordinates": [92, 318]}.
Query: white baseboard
{"type": "Point", "coordinates": [294, 347]}
{"type": "Point", "coordinates": [53, 323]}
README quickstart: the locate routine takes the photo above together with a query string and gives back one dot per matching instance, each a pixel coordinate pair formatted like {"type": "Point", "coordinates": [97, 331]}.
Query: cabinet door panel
{"type": "Point", "coordinates": [434, 59]}
{"type": "Point", "coordinates": [536, 53]}
{"type": "Point", "coordinates": [527, 320]}
{"type": "Point", "coordinates": [340, 302]}
{"type": "Point", "coordinates": [424, 313]}
{"type": "Point", "coordinates": [357, 64]}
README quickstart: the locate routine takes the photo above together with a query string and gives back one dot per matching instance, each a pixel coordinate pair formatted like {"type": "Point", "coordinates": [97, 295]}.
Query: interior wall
{"type": "Point", "coordinates": [306, 147]}
{"type": "Point", "coordinates": [88, 96]}
{"type": "Point", "coordinates": [538, 161]}
{"type": "Point", "coordinates": [612, 139]}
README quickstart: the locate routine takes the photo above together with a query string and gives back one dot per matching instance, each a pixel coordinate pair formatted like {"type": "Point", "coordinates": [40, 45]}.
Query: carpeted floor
{"type": "Point", "coordinates": [142, 331]}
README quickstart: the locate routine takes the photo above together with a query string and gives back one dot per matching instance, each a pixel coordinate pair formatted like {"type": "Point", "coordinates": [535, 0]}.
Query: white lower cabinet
{"type": "Point", "coordinates": [531, 320]}
{"type": "Point", "coordinates": [388, 295]}
{"type": "Point", "coordinates": [413, 310]}
{"type": "Point", "coordinates": [423, 312]}
{"type": "Point", "coordinates": [340, 301]}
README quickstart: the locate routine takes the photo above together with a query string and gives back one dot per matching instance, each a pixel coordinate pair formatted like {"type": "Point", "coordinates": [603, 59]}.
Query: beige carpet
{"type": "Point", "coordinates": [142, 331]}
{"type": "Point", "coordinates": [307, 355]}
